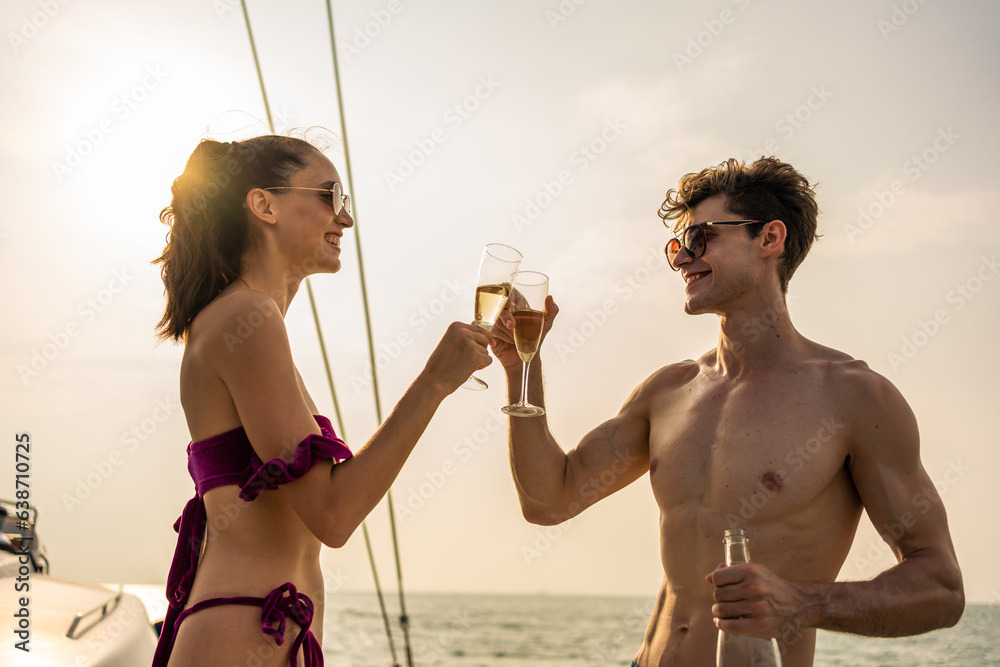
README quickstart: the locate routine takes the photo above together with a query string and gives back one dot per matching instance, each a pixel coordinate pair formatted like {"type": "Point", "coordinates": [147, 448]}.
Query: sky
{"type": "Point", "coordinates": [556, 127]}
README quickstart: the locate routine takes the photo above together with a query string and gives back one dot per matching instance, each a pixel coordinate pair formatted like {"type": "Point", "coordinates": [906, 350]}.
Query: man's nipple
{"type": "Point", "coordinates": [772, 481]}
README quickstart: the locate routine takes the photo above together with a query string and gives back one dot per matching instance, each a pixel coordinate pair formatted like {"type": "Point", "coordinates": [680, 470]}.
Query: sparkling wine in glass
{"type": "Point", "coordinates": [528, 306]}
{"type": "Point", "coordinates": [497, 272]}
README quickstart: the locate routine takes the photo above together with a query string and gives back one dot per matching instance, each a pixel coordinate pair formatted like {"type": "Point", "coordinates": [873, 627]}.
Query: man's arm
{"type": "Point", "coordinates": [554, 485]}
{"type": "Point", "coordinates": [922, 592]}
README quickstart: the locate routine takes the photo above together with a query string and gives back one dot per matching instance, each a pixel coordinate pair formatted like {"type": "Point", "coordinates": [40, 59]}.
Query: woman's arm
{"type": "Point", "coordinates": [332, 500]}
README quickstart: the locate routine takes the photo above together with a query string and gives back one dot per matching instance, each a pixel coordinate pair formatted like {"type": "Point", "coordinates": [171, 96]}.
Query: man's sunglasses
{"type": "Point", "coordinates": [335, 196]}
{"type": "Point", "coordinates": [694, 240]}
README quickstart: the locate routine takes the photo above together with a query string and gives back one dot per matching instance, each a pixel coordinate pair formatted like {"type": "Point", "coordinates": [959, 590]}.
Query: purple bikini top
{"type": "Point", "coordinates": [228, 458]}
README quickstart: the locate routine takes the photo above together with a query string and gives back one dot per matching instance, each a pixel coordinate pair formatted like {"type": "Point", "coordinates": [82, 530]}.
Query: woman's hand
{"type": "Point", "coordinates": [463, 349]}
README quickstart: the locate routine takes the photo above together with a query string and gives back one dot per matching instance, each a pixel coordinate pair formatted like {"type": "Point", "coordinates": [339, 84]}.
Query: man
{"type": "Point", "coordinates": [767, 431]}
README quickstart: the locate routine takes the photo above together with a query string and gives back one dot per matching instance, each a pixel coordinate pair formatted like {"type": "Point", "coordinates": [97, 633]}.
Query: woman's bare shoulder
{"type": "Point", "coordinates": [231, 320]}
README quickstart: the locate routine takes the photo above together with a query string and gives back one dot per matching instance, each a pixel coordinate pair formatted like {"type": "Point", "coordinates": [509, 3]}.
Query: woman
{"type": "Point", "coordinates": [248, 221]}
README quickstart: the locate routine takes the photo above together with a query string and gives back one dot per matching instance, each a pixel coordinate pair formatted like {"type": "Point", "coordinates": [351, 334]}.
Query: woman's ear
{"type": "Point", "coordinates": [260, 203]}
{"type": "Point", "coordinates": [773, 238]}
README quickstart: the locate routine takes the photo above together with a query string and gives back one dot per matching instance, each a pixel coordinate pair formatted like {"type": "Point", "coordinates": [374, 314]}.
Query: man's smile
{"type": "Point", "coordinates": [690, 278]}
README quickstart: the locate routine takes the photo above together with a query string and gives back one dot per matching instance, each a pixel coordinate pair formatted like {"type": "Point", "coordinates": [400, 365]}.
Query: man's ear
{"type": "Point", "coordinates": [773, 238]}
{"type": "Point", "coordinates": [260, 203]}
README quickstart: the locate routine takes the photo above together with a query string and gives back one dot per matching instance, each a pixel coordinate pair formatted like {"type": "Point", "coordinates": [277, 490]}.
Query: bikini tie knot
{"type": "Point", "coordinates": [284, 601]}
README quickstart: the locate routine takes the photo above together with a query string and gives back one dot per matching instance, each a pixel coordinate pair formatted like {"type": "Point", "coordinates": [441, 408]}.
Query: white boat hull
{"type": "Point", "coordinates": [119, 634]}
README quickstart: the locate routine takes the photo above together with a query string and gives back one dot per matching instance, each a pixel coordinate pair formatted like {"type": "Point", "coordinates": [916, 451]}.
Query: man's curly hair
{"type": "Point", "coordinates": [768, 189]}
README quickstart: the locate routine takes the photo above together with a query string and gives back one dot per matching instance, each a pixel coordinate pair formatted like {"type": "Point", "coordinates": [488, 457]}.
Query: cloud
{"type": "Point", "coordinates": [912, 219]}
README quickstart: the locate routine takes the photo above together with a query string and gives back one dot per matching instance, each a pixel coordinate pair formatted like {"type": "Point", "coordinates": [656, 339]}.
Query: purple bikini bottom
{"type": "Point", "coordinates": [227, 459]}
{"type": "Point", "coordinates": [284, 601]}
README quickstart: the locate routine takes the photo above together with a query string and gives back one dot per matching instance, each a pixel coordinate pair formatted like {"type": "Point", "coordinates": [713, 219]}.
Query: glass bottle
{"type": "Point", "coordinates": [743, 650]}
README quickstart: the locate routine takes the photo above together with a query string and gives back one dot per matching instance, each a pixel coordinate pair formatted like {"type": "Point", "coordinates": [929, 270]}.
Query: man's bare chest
{"type": "Point", "coordinates": [751, 449]}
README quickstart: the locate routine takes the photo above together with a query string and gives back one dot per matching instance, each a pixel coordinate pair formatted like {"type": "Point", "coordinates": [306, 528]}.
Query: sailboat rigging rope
{"type": "Point", "coordinates": [404, 622]}
{"type": "Point", "coordinates": [364, 526]}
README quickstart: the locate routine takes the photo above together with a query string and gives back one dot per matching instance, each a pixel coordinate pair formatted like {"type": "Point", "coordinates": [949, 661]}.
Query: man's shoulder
{"type": "Point", "coordinates": [670, 377]}
{"type": "Point", "coordinates": [661, 383]}
{"type": "Point", "coordinates": [680, 371]}
{"type": "Point", "coordinates": [842, 371]}
{"type": "Point", "coordinates": [858, 391]}
{"type": "Point", "coordinates": [836, 367]}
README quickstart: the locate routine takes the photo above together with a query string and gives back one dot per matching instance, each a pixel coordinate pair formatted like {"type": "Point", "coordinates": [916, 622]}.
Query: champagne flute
{"type": "Point", "coordinates": [497, 272]}
{"type": "Point", "coordinates": [528, 303]}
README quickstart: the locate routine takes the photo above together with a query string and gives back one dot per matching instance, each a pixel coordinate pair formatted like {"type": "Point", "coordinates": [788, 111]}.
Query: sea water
{"type": "Point", "coordinates": [564, 631]}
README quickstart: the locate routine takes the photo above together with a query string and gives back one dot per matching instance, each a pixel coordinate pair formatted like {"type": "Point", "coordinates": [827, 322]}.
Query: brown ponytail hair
{"type": "Point", "coordinates": [207, 218]}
